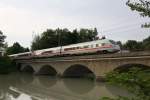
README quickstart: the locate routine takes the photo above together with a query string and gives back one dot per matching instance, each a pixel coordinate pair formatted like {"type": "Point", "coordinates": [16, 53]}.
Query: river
{"type": "Point", "coordinates": [18, 86]}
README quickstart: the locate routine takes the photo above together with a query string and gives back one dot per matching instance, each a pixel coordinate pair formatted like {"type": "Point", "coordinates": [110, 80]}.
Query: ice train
{"type": "Point", "coordinates": [97, 46]}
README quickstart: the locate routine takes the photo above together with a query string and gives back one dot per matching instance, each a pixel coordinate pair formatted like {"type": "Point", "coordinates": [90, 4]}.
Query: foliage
{"type": "Point", "coordinates": [16, 48]}
{"type": "Point", "coordinates": [53, 38]}
{"type": "Point", "coordinates": [133, 45]}
{"type": "Point", "coordinates": [36, 43]}
{"type": "Point", "coordinates": [6, 65]}
{"type": "Point", "coordinates": [146, 43]}
{"type": "Point", "coordinates": [60, 37]}
{"type": "Point", "coordinates": [2, 37]}
{"type": "Point", "coordinates": [136, 80]}
{"type": "Point", "coordinates": [141, 6]}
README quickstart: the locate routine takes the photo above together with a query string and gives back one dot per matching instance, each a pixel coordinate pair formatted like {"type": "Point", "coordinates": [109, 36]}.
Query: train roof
{"type": "Point", "coordinates": [54, 48]}
{"type": "Point", "coordinates": [77, 44]}
{"type": "Point", "coordinates": [96, 41]}
{"type": "Point", "coordinates": [88, 43]}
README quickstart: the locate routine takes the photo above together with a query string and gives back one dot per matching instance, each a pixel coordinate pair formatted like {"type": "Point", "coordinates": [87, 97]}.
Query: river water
{"type": "Point", "coordinates": [19, 86]}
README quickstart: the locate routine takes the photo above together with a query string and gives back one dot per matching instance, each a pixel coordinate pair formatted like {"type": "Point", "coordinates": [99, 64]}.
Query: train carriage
{"type": "Point", "coordinates": [97, 46]}
{"type": "Point", "coordinates": [105, 46]}
{"type": "Point", "coordinates": [25, 54]}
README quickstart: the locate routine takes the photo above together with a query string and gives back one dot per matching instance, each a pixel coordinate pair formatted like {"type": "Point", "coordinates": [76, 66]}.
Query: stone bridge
{"type": "Point", "coordinates": [75, 66]}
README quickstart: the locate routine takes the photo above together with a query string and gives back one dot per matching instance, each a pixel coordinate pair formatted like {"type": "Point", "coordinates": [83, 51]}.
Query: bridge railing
{"type": "Point", "coordinates": [130, 54]}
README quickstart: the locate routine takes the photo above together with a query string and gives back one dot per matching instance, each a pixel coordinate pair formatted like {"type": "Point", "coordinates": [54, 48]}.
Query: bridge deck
{"type": "Point", "coordinates": [94, 56]}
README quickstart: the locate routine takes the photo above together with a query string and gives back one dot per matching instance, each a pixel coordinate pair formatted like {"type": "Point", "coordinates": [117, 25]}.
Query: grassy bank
{"type": "Point", "coordinates": [6, 65]}
{"type": "Point", "coordinates": [136, 80]}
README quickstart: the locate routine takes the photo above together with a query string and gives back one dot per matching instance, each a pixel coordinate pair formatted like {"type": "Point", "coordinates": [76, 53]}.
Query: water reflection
{"type": "Point", "coordinates": [14, 93]}
{"type": "Point", "coordinates": [28, 87]}
{"type": "Point", "coordinates": [9, 81]}
{"type": "Point", "coordinates": [79, 86]}
{"type": "Point", "coordinates": [4, 87]}
{"type": "Point", "coordinates": [26, 79]}
{"type": "Point", "coordinates": [47, 81]}
{"type": "Point", "coordinates": [119, 91]}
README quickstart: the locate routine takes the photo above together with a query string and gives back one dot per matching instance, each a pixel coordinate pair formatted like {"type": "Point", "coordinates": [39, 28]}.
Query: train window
{"type": "Point", "coordinates": [78, 47]}
{"type": "Point", "coordinates": [91, 46]}
{"type": "Point", "coordinates": [67, 49]}
{"type": "Point", "coordinates": [73, 48]}
{"type": "Point", "coordinates": [103, 44]}
{"type": "Point", "coordinates": [47, 52]}
{"type": "Point", "coordinates": [97, 45]}
{"type": "Point", "coordinates": [86, 46]}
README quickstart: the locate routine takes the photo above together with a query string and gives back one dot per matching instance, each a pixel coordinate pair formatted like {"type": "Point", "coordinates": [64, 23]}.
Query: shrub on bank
{"type": "Point", "coordinates": [136, 80]}
{"type": "Point", "coordinates": [6, 65]}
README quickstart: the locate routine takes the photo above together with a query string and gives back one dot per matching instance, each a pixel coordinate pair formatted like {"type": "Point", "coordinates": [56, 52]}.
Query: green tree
{"type": "Point", "coordinates": [75, 38]}
{"type": "Point", "coordinates": [146, 43]}
{"type": "Point", "coordinates": [49, 38]}
{"type": "Point", "coordinates": [36, 43]}
{"type": "Point", "coordinates": [16, 48]}
{"type": "Point", "coordinates": [133, 45]}
{"type": "Point", "coordinates": [6, 65]}
{"type": "Point", "coordinates": [141, 6]}
{"type": "Point", "coordinates": [2, 43]}
{"type": "Point", "coordinates": [60, 37]}
{"type": "Point", "coordinates": [87, 34]}
{"type": "Point", "coordinates": [2, 38]}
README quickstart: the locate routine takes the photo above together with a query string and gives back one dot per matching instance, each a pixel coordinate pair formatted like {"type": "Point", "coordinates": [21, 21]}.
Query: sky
{"type": "Point", "coordinates": [21, 20]}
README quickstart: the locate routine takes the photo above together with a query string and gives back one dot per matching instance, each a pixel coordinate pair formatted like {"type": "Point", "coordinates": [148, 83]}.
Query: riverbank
{"type": "Point", "coordinates": [135, 80]}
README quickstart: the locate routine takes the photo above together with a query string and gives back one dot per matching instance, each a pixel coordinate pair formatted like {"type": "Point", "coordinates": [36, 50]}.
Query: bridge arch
{"type": "Point", "coordinates": [78, 70]}
{"type": "Point", "coordinates": [47, 70]}
{"type": "Point", "coordinates": [80, 86]}
{"type": "Point", "coordinates": [27, 69]}
{"type": "Point", "coordinates": [126, 67]}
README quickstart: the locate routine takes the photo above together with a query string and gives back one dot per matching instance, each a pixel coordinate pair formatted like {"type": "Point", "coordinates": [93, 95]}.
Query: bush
{"type": "Point", "coordinates": [136, 80]}
{"type": "Point", "coordinates": [6, 65]}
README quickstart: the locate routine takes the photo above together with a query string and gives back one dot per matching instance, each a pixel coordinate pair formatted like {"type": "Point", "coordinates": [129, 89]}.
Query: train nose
{"type": "Point", "coordinates": [117, 47]}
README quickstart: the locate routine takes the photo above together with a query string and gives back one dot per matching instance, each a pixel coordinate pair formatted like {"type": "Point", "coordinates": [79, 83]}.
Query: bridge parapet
{"type": "Point", "coordinates": [115, 55]}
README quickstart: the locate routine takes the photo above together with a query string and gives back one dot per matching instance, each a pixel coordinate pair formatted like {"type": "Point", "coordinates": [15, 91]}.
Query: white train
{"type": "Point", "coordinates": [25, 54]}
{"type": "Point", "coordinates": [97, 46]}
